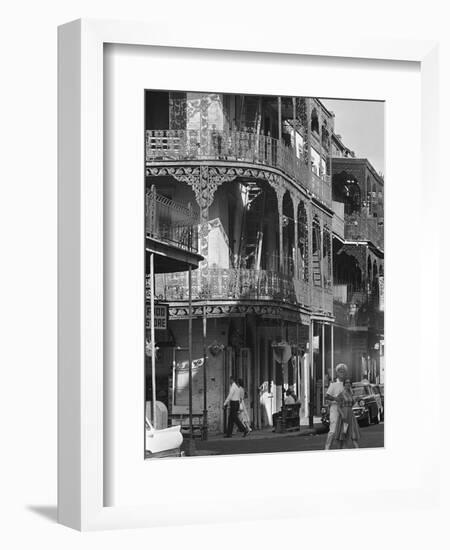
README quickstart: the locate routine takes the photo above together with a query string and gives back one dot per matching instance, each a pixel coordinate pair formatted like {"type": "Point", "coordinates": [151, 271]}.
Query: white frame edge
{"type": "Point", "coordinates": [80, 227]}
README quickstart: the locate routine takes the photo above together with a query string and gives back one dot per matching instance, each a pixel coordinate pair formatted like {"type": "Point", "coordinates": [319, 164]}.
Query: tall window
{"type": "Point", "coordinates": [326, 257]}
{"type": "Point", "coordinates": [314, 121]}
{"type": "Point", "coordinates": [302, 226]}
{"type": "Point", "coordinates": [316, 252]}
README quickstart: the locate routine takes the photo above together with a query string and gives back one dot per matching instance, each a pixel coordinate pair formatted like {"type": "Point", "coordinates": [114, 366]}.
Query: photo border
{"type": "Point", "coordinates": [80, 231]}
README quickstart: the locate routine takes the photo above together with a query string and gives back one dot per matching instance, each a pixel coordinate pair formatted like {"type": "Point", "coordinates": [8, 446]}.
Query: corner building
{"type": "Point", "coordinates": [258, 171]}
{"type": "Point", "coordinates": [358, 264]}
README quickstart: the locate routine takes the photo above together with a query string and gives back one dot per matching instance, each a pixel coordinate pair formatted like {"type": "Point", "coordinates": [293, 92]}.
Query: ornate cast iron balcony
{"type": "Point", "coordinates": [227, 284]}
{"type": "Point", "coordinates": [171, 222]}
{"type": "Point", "coordinates": [185, 145]}
{"type": "Point", "coordinates": [321, 299]}
{"type": "Point", "coordinates": [242, 284]}
{"type": "Point", "coordinates": [363, 228]}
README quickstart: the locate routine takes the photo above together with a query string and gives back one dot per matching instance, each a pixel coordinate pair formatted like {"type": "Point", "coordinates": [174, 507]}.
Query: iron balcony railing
{"type": "Point", "coordinates": [357, 307]}
{"type": "Point", "coordinates": [171, 222]}
{"type": "Point", "coordinates": [338, 225]}
{"type": "Point", "coordinates": [226, 284]}
{"type": "Point", "coordinates": [242, 284]}
{"type": "Point", "coordinates": [322, 299]}
{"type": "Point", "coordinates": [182, 145]}
{"type": "Point", "coordinates": [363, 228]}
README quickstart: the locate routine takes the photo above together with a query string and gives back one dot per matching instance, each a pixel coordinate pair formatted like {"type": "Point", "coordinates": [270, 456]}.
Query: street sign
{"type": "Point", "coordinates": [160, 317]}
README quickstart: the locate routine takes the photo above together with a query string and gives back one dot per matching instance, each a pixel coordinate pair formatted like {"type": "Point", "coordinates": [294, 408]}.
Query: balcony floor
{"type": "Point", "coordinates": [170, 258]}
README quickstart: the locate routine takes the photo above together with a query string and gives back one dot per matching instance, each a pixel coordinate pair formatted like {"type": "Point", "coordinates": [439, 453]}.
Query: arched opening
{"type": "Point", "coordinates": [325, 136]}
{"type": "Point", "coordinates": [375, 279]}
{"type": "Point", "coordinates": [347, 271]}
{"type": "Point", "coordinates": [314, 121]}
{"type": "Point", "coordinates": [288, 235]}
{"type": "Point", "coordinates": [346, 190]}
{"type": "Point", "coordinates": [302, 244]}
{"type": "Point", "coordinates": [254, 225]}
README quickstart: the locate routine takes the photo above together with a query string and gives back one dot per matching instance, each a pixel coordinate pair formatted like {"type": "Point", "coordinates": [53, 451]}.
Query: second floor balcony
{"type": "Point", "coordinates": [217, 284]}
{"type": "Point", "coordinates": [357, 307]}
{"type": "Point", "coordinates": [236, 147]}
{"type": "Point", "coordinates": [363, 228]}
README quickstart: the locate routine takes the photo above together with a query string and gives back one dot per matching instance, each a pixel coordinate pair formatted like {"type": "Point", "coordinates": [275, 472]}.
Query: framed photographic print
{"type": "Point", "coordinates": [232, 274]}
{"type": "Point", "coordinates": [265, 253]}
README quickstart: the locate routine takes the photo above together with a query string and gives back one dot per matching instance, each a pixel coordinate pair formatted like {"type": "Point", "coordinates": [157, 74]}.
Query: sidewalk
{"type": "Point", "coordinates": [259, 441]}
{"type": "Point", "coordinates": [268, 433]}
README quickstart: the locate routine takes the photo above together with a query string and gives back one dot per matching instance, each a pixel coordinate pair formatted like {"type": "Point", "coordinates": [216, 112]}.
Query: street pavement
{"type": "Point", "coordinates": [371, 436]}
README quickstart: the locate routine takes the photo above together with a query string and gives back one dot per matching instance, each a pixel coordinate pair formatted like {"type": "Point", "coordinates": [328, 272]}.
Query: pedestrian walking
{"type": "Point", "coordinates": [243, 413]}
{"type": "Point", "coordinates": [265, 399]}
{"type": "Point", "coordinates": [332, 395]}
{"type": "Point", "coordinates": [232, 401]}
{"type": "Point", "coordinates": [347, 429]}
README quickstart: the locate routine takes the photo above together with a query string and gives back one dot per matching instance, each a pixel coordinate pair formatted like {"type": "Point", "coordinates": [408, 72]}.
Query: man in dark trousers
{"type": "Point", "coordinates": [233, 400]}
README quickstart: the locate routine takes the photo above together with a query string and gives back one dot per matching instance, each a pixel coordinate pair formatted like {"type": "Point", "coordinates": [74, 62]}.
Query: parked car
{"type": "Point", "coordinates": [367, 406]}
{"type": "Point", "coordinates": [379, 389]}
{"type": "Point", "coordinates": [162, 443]}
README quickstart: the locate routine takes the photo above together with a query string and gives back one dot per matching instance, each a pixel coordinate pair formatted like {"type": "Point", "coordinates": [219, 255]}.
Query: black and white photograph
{"type": "Point", "coordinates": [264, 237]}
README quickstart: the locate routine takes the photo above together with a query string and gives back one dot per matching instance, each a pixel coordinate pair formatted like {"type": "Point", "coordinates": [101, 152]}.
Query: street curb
{"type": "Point", "coordinates": [318, 430]}
{"type": "Point", "coordinates": [310, 431]}
{"type": "Point", "coordinates": [274, 435]}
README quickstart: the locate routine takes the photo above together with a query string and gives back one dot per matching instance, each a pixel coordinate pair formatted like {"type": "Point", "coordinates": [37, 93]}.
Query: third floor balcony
{"type": "Point", "coordinates": [235, 147]}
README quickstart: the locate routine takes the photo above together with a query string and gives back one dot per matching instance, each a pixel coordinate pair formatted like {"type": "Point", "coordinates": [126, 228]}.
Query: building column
{"type": "Point", "coordinates": [311, 374]}
{"type": "Point", "coordinates": [309, 217]}
{"type": "Point", "coordinates": [294, 118]}
{"type": "Point", "coordinates": [152, 332]}
{"type": "Point", "coordinates": [323, 362]}
{"type": "Point", "coordinates": [191, 427]}
{"type": "Point", "coordinates": [322, 274]}
{"type": "Point", "coordinates": [332, 351]}
{"type": "Point", "coordinates": [308, 139]}
{"type": "Point", "coordinates": [279, 120]}
{"type": "Point", "coordinates": [331, 257]}
{"type": "Point", "coordinates": [280, 195]}
{"type": "Point", "coordinates": [320, 151]}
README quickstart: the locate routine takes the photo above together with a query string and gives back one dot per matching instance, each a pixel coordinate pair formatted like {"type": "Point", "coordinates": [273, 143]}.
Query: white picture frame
{"type": "Point", "coordinates": [82, 483]}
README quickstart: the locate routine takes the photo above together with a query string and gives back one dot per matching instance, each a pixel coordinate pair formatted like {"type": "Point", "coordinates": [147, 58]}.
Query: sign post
{"type": "Point", "coordinates": [152, 333]}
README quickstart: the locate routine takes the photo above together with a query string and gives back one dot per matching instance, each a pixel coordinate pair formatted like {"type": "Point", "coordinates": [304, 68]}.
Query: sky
{"type": "Point", "coordinates": [361, 126]}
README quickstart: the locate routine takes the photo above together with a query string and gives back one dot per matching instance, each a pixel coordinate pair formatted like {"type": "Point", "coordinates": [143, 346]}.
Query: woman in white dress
{"type": "Point", "coordinates": [243, 413]}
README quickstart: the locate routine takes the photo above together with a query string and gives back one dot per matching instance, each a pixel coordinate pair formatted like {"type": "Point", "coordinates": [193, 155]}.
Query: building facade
{"type": "Point", "coordinates": [358, 264]}
{"type": "Point", "coordinates": [258, 169]}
